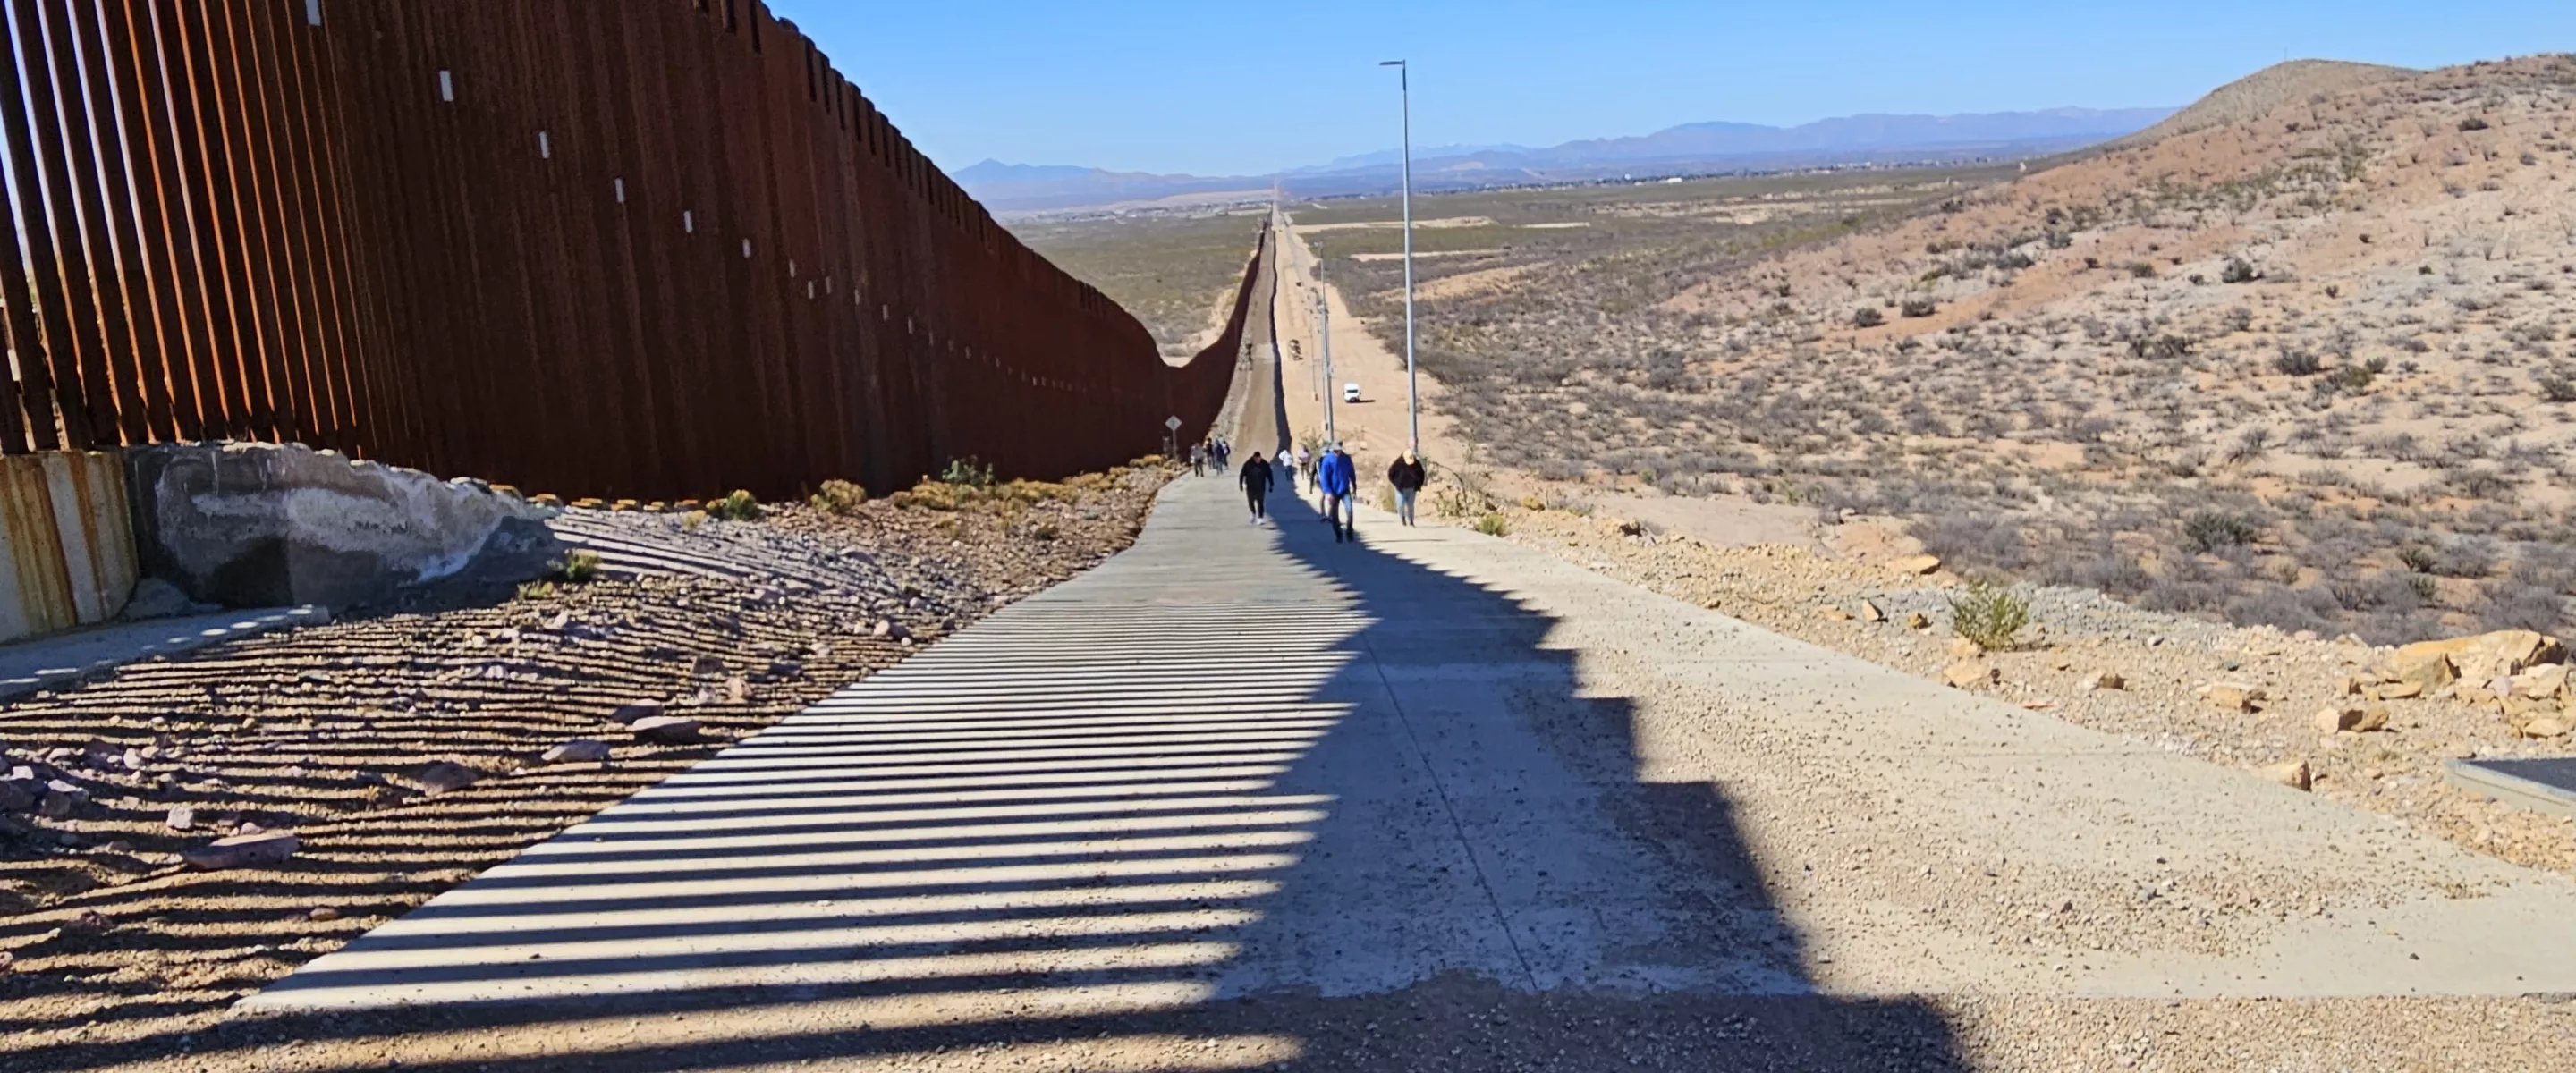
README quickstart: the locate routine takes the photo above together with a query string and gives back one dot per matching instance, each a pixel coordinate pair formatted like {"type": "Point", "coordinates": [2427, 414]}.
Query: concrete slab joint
{"type": "Point", "coordinates": [257, 524]}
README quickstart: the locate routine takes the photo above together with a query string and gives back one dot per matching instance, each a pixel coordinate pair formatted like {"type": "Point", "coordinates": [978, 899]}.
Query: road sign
{"type": "Point", "coordinates": [1172, 423]}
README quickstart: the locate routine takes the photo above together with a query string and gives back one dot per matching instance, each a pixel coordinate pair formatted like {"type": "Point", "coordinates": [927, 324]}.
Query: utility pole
{"type": "Point", "coordinates": [1412, 399]}
{"type": "Point", "coordinates": [1324, 333]}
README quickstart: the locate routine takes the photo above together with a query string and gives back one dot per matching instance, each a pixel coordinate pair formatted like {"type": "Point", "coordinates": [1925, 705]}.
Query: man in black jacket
{"type": "Point", "coordinates": [1407, 477]}
{"type": "Point", "coordinates": [1256, 486]}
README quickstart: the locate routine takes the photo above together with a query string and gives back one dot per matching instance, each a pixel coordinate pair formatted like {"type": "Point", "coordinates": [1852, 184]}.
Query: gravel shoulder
{"type": "Point", "coordinates": [2163, 659]}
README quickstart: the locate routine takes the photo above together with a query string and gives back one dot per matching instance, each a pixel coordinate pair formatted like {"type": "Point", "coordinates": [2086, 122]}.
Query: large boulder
{"type": "Point", "coordinates": [264, 525]}
{"type": "Point", "coordinates": [2481, 658]}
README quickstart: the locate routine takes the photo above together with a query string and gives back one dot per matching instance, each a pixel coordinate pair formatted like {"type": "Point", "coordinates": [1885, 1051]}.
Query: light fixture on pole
{"type": "Point", "coordinates": [1412, 399]}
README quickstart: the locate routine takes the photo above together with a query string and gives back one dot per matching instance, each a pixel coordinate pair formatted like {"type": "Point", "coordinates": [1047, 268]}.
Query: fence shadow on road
{"type": "Point", "coordinates": [1269, 831]}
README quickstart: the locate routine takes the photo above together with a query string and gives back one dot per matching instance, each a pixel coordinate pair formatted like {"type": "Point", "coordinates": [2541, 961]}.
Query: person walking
{"type": "Point", "coordinates": [1305, 468]}
{"type": "Point", "coordinates": [1255, 480]}
{"type": "Point", "coordinates": [1198, 460]}
{"type": "Point", "coordinates": [1338, 478]}
{"type": "Point", "coordinates": [1406, 475]}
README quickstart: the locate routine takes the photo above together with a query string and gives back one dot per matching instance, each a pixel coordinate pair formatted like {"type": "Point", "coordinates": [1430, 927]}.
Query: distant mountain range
{"type": "Point", "coordinates": [1693, 148]}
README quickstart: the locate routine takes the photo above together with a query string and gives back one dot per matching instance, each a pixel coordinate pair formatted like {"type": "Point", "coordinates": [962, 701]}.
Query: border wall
{"type": "Point", "coordinates": [647, 249]}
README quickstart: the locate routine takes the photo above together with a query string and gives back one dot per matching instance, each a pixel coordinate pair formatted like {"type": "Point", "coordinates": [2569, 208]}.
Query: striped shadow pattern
{"type": "Point", "coordinates": [1069, 808]}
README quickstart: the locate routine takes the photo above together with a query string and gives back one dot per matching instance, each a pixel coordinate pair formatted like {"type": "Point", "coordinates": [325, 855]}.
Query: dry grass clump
{"type": "Point", "coordinates": [943, 495]}
{"type": "Point", "coordinates": [838, 497]}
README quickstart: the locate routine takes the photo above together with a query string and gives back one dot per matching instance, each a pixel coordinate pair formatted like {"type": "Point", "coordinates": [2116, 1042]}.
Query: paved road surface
{"type": "Point", "coordinates": [1245, 796]}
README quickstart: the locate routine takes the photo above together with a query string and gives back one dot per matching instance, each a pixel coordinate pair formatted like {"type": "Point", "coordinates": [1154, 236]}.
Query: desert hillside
{"type": "Point", "coordinates": [2250, 97]}
{"type": "Point", "coordinates": [2307, 366]}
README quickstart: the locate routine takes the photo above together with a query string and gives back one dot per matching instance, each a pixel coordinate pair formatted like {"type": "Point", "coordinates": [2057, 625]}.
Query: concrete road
{"type": "Point", "coordinates": [1244, 797]}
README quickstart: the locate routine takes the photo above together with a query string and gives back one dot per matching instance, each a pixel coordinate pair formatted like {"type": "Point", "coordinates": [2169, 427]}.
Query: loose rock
{"type": "Point", "coordinates": [1971, 675]}
{"type": "Point", "coordinates": [631, 711]}
{"type": "Point", "coordinates": [2356, 719]}
{"type": "Point", "coordinates": [446, 776]}
{"type": "Point", "coordinates": [669, 730]}
{"type": "Point", "coordinates": [2424, 665]}
{"type": "Point", "coordinates": [2234, 696]}
{"type": "Point", "coordinates": [2545, 682]}
{"type": "Point", "coordinates": [578, 751]}
{"type": "Point", "coordinates": [261, 850]}
{"type": "Point", "coordinates": [2291, 773]}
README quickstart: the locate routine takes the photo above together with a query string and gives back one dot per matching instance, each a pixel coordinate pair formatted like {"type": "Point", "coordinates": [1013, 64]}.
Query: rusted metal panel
{"type": "Point", "coordinates": [70, 557]}
{"type": "Point", "coordinates": [657, 249]}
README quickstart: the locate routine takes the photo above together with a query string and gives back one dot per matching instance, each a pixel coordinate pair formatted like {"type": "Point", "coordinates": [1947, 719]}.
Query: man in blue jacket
{"type": "Point", "coordinates": [1338, 478]}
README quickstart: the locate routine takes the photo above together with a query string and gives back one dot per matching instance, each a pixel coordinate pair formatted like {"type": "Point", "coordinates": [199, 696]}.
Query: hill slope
{"type": "Point", "coordinates": [2272, 87]}
{"type": "Point", "coordinates": [2307, 366]}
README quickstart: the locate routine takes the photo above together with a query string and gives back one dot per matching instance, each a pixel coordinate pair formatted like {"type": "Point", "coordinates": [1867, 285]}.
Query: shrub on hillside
{"type": "Point", "coordinates": [2239, 270]}
{"type": "Point", "coordinates": [738, 507]}
{"type": "Point", "coordinates": [964, 472]}
{"type": "Point", "coordinates": [2296, 362]}
{"type": "Point", "coordinates": [1919, 307]}
{"type": "Point", "coordinates": [577, 568]}
{"type": "Point", "coordinates": [1868, 317]}
{"type": "Point", "coordinates": [2356, 378]}
{"type": "Point", "coordinates": [2473, 123]}
{"type": "Point", "coordinates": [839, 497]}
{"type": "Point", "coordinates": [1989, 616]}
{"type": "Point", "coordinates": [2166, 347]}
{"type": "Point", "coordinates": [2209, 530]}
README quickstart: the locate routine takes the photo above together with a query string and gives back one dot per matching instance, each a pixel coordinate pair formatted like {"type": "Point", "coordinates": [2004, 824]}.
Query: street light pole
{"type": "Point", "coordinates": [1324, 334]}
{"type": "Point", "coordinates": [1412, 399]}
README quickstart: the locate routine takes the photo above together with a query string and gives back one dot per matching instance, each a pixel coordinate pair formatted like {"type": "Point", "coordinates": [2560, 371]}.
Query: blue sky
{"type": "Point", "coordinates": [1234, 88]}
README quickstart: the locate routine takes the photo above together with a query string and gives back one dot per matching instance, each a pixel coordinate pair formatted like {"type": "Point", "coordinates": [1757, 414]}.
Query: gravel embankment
{"type": "Point", "coordinates": [2164, 660]}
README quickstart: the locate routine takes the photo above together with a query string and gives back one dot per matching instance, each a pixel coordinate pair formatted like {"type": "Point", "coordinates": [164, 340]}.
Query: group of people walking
{"type": "Point", "coordinates": [1336, 477]}
{"type": "Point", "coordinates": [1212, 451]}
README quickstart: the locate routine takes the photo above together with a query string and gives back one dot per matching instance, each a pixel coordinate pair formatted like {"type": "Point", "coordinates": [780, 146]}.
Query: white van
{"type": "Point", "coordinates": [1350, 393]}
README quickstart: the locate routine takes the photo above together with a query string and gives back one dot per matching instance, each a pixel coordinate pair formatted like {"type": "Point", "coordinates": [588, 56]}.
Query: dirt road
{"type": "Point", "coordinates": [1373, 429]}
